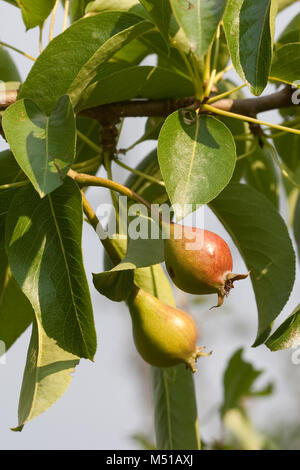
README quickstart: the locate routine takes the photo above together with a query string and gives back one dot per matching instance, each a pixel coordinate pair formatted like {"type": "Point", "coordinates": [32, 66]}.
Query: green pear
{"type": "Point", "coordinates": [163, 335]}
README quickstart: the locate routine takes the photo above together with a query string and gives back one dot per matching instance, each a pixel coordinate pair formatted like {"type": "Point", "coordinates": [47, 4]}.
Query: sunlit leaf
{"type": "Point", "coordinates": [197, 157]}
{"type": "Point", "coordinates": [43, 239]}
{"type": "Point", "coordinates": [262, 238]}
{"type": "Point", "coordinates": [249, 28]}
{"type": "Point", "coordinates": [44, 146]}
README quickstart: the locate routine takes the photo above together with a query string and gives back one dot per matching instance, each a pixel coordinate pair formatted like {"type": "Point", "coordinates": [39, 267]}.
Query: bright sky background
{"type": "Point", "coordinates": [109, 400]}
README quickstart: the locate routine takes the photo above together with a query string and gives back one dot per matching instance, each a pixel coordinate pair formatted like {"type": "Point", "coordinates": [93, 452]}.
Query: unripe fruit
{"type": "Point", "coordinates": [163, 335]}
{"type": "Point", "coordinates": [199, 262]}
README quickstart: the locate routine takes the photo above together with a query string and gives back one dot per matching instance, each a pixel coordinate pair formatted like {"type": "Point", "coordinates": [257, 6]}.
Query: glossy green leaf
{"type": "Point", "coordinates": [176, 422]}
{"type": "Point", "coordinates": [72, 64]}
{"type": "Point", "coordinates": [16, 313]}
{"type": "Point", "coordinates": [9, 173]}
{"type": "Point", "coordinates": [9, 169]}
{"type": "Point", "coordinates": [223, 56]}
{"type": "Point", "coordinates": [160, 12]}
{"type": "Point", "coordinates": [43, 238]}
{"type": "Point", "coordinates": [8, 69]}
{"type": "Point", "coordinates": [262, 238]}
{"type": "Point", "coordinates": [197, 157]}
{"type": "Point", "coordinates": [46, 377]}
{"type": "Point", "coordinates": [91, 129]}
{"type": "Point", "coordinates": [34, 12]}
{"type": "Point", "coordinates": [6, 197]}
{"type": "Point", "coordinates": [249, 30]}
{"type": "Point", "coordinates": [87, 159]}
{"type": "Point", "coordinates": [43, 146]}
{"type": "Point", "coordinates": [199, 20]}
{"type": "Point", "coordinates": [141, 82]}
{"type": "Point", "coordinates": [261, 174]}
{"type": "Point", "coordinates": [170, 57]}
{"type": "Point", "coordinates": [288, 147]}
{"type": "Point", "coordinates": [152, 128]}
{"type": "Point", "coordinates": [286, 63]}
{"type": "Point", "coordinates": [132, 6]}
{"type": "Point", "coordinates": [239, 378]}
{"type": "Point", "coordinates": [77, 9]}
{"type": "Point", "coordinates": [133, 53]}
{"type": "Point", "coordinates": [291, 33]}
{"type": "Point", "coordinates": [236, 128]}
{"type": "Point", "coordinates": [115, 285]}
{"type": "Point", "coordinates": [288, 334]}
{"type": "Point", "coordinates": [12, 2]}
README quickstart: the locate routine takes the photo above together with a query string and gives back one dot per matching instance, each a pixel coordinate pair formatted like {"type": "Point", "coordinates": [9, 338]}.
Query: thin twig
{"type": "Point", "coordinates": [17, 50]}
{"type": "Point", "coordinates": [90, 180]}
{"type": "Point", "coordinates": [66, 12]}
{"type": "Point", "coordinates": [139, 173]}
{"type": "Point", "coordinates": [52, 21]}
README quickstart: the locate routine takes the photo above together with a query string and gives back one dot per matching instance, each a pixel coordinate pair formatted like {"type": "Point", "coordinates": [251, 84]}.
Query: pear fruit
{"type": "Point", "coordinates": [199, 261]}
{"type": "Point", "coordinates": [163, 335]}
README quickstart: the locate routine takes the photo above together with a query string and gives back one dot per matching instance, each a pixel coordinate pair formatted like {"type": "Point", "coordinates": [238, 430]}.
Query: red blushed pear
{"type": "Point", "coordinates": [199, 262]}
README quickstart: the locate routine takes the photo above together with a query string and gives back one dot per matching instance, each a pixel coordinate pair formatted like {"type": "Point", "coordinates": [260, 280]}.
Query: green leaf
{"type": "Point", "coordinates": [8, 69]}
{"type": "Point", "coordinates": [34, 12]}
{"type": "Point", "coordinates": [291, 32]}
{"type": "Point", "coordinates": [115, 285]}
{"type": "Point", "coordinates": [296, 225]}
{"type": "Point", "coordinates": [286, 63]}
{"type": "Point", "coordinates": [16, 312]}
{"type": "Point", "coordinates": [160, 12]}
{"type": "Point", "coordinates": [6, 197]}
{"type": "Point", "coordinates": [152, 128]}
{"type": "Point", "coordinates": [43, 146]}
{"type": "Point", "coordinates": [170, 57]}
{"type": "Point", "coordinates": [71, 65]}
{"type": "Point", "coordinates": [239, 378]}
{"type": "Point", "coordinates": [12, 2]}
{"type": "Point", "coordinates": [131, 6]}
{"type": "Point", "coordinates": [199, 20]}
{"type": "Point", "coordinates": [176, 422]}
{"type": "Point", "coordinates": [288, 334]}
{"type": "Point", "coordinates": [132, 53]}
{"type": "Point", "coordinates": [196, 156]}
{"type": "Point", "coordinates": [77, 9]}
{"type": "Point", "coordinates": [236, 128]}
{"type": "Point", "coordinates": [260, 173]}
{"type": "Point", "coordinates": [46, 377]}
{"type": "Point", "coordinates": [249, 30]}
{"type": "Point", "coordinates": [142, 252]}
{"type": "Point", "coordinates": [43, 238]}
{"type": "Point", "coordinates": [91, 129]}
{"type": "Point", "coordinates": [141, 82]}
{"type": "Point", "coordinates": [9, 173]}
{"type": "Point", "coordinates": [288, 147]}
{"type": "Point", "coordinates": [262, 238]}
